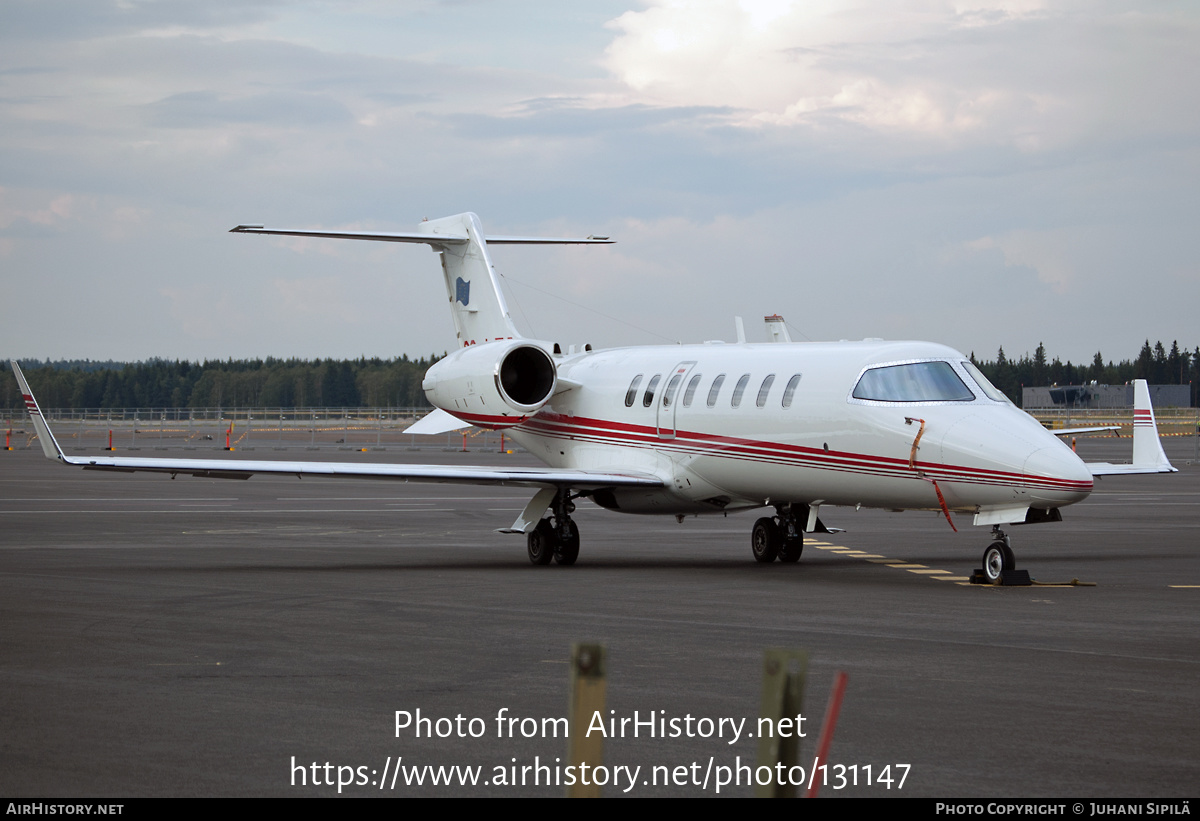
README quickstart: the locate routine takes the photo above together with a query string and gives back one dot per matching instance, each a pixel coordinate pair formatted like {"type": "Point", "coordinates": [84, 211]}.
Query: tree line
{"type": "Point", "coordinates": [1153, 363]}
{"type": "Point", "coordinates": [233, 383]}
{"type": "Point", "coordinates": [375, 382]}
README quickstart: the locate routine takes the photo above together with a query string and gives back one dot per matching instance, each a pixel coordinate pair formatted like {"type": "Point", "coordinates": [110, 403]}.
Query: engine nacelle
{"type": "Point", "coordinates": [495, 385]}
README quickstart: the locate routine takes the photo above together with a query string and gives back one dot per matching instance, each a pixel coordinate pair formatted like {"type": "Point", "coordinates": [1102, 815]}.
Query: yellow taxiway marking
{"type": "Point", "coordinates": [875, 558]}
{"type": "Point", "coordinates": [1189, 586]}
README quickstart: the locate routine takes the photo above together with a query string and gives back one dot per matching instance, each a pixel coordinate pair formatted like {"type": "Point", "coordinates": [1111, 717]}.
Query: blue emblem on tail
{"type": "Point", "coordinates": [462, 291]}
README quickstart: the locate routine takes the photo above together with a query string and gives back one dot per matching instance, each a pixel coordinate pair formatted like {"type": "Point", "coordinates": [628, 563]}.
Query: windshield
{"type": "Point", "coordinates": [987, 387]}
{"type": "Point", "coordinates": [915, 382]}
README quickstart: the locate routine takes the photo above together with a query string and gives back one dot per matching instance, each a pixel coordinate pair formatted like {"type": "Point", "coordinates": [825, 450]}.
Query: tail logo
{"type": "Point", "coordinates": [462, 291]}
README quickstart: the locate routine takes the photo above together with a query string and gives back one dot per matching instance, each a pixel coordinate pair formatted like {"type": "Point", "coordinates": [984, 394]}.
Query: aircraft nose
{"type": "Point", "coordinates": [1055, 473]}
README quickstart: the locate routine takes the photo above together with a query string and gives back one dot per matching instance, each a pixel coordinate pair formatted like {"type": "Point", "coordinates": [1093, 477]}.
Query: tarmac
{"type": "Point", "coordinates": [204, 637]}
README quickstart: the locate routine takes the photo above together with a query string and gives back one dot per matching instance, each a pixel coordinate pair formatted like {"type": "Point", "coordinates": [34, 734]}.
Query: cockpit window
{"type": "Point", "coordinates": [914, 382]}
{"type": "Point", "coordinates": [982, 381]}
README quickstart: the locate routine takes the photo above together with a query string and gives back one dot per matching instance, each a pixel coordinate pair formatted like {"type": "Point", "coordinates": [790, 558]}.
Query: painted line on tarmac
{"type": "Point", "coordinates": [874, 558]}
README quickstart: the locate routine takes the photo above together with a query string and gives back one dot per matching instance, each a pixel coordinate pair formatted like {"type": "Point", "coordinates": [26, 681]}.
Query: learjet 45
{"type": "Point", "coordinates": [710, 428]}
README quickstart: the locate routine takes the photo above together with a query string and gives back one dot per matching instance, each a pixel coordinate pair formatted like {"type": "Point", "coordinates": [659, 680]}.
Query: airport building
{"type": "Point", "coordinates": [1103, 396]}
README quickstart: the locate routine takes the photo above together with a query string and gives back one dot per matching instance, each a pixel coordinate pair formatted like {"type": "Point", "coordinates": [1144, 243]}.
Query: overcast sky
{"type": "Point", "coordinates": [978, 173]}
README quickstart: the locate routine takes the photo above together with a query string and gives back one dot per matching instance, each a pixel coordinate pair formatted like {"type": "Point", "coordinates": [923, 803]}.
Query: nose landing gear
{"type": "Point", "coordinates": [999, 563]}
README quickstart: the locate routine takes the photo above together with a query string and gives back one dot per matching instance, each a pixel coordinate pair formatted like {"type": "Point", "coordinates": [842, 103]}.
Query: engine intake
{"type": "Point", "coordinates": [495, 385]}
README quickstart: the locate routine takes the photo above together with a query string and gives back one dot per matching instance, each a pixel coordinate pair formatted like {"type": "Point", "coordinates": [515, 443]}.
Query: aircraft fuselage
{"type": "Point", "coordinates": [826, 446]}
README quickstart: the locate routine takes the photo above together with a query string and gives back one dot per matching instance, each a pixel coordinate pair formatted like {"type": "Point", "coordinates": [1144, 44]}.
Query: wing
{"type": "Point", "coordinates": [584, 480]}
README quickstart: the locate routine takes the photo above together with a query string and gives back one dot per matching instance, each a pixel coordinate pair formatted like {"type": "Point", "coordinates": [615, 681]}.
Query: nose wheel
{"type": "Point", "coordinates": [997, 558]}
{"type": "Point", "coordinates": [999, 563]}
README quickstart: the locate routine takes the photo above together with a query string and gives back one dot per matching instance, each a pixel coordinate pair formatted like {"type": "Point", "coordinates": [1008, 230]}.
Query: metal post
{"type": "Point", "coordinates": [585, 700]}
{"type": "Point", "coordinates": [832, 710]}
{"type": "Point", "coordinates": [782, 700]}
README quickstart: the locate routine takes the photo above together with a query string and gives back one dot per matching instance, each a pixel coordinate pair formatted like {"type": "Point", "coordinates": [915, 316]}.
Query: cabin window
{"type": "Point", "coordinates": [693, 383]}
{"type": "Point", "coordinates": [738, 390]}
{"type": "Point", "coordinates": [790, 390]}
{"type": "Point", "coordinates": [631, 394]}
{"type": "Point", "coordinates": [672, 386]}
{"type": "Point", "coordinates": [914, 382]}
{"type": "Point", "coordinates": [985, 385]}
{"type": "Point", "coordinates": [715, 389]}
{"type": "Point", "coordinates": [648, 397]}
{"type": "Point", "coordinates": [764, 390]}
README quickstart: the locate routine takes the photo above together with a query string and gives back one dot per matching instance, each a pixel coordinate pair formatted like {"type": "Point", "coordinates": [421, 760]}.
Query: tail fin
{"type": "Point", "coordinates": [1147, 447]}
{"type": "Point", "coordinates": [476, 301]}
{"type": "Point", "coordinates": [49, 443]}
{"type": "Point", "coordinates": [1148, 455]}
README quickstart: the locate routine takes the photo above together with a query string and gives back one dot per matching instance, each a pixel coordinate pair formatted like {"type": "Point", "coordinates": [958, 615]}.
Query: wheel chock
{"type": "Point", "coordinates": [1008, 578]}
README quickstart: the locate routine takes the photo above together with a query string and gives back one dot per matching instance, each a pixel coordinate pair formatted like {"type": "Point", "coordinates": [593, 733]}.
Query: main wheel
{"type": "Point", "coordinates": [567, 550]}
{"type": "Point", "coordinates": [996, 559]}
{"type": "Point", "coordinates": [790, 549]}
{"type": "Point", "coordinates": [542, 542]}
{"type": "Point", "coordinates": [765, 540]}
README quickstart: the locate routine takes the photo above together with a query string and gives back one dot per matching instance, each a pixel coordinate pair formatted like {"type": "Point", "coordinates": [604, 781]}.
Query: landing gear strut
{"type": "Point", "coordinates": [557, 540]}
{"type": "Point", "coordinates": [778, 537]}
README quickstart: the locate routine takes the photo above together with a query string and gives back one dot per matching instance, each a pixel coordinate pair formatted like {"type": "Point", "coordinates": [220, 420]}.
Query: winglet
{"type": "Point", "coordinates": [1148, 455]}
{"type": "Point", "coordinates": [1148, 452]}
{"type": "Point", "coordinates": [49, 444]}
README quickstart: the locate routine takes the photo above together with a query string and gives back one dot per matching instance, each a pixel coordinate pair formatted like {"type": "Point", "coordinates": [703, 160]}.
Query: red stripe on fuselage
{"type": "Point", "coordinates": [623, 433]}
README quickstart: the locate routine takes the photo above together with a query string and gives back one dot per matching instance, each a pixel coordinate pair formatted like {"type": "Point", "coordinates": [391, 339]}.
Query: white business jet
{"type": "Point", "coordinates": [711, 428]}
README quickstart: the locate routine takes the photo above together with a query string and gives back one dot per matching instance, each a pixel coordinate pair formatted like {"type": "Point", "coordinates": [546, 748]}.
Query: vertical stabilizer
{"type": "Point", "coordinates": [1147, 447]}
{"type": "Point", "coordinates": [476, 302]}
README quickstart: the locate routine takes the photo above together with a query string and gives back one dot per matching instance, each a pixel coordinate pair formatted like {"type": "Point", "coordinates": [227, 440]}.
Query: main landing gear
{"type": "Point", "coordinates": [778, 537]}
{"type": "Point", "coordinates": [557, 540]}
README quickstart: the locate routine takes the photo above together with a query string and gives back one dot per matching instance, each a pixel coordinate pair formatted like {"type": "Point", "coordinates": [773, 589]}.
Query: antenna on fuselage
{"type": "Point", "coordinates": [741, 329]}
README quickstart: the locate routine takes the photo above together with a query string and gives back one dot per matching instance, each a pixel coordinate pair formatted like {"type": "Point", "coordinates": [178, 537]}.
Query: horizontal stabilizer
{"type": "Point", "coordinates": [1074, 431]}
{"type": "Point", "coordinates": [428, 239]}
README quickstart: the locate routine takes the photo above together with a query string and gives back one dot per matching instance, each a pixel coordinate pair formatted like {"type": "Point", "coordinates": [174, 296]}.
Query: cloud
{"type": "Point", "coordinates": [198, 109]}
{"type": "Point", "coordinates": [1033, 75]}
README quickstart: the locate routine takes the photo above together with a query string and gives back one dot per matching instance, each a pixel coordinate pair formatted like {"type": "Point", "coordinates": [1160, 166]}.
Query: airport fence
{"type": "Point", "coordinates": [1171, 421]}
{"type": "Point", "coordinates": [375, 428]}
{"type": "Point", "coordinates": [362, 429]}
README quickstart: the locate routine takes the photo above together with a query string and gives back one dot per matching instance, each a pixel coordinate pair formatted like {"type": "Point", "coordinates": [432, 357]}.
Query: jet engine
{"type": "Point", "coordinates": [494, 385]}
